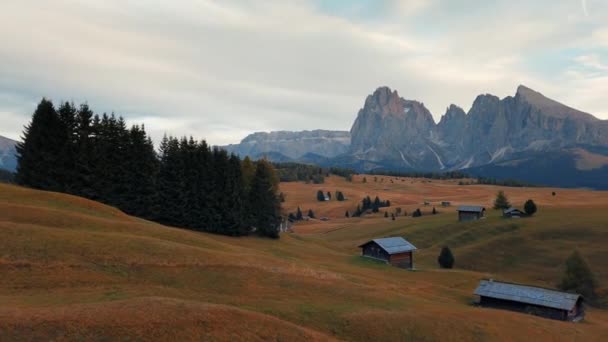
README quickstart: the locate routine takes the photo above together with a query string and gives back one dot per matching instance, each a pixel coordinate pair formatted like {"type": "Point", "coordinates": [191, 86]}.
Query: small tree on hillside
{"type": "Point", "coordinates": [578, 277]}
{"type": "Point", "coordinates": [501, 201]}
{"type": "Point", "coordinates": [340, 196]}
{"type": "Point", "coordinates": [393, 217]}
{"type": "Point", "coordinates": [299, 215]}
{"type": "Point", "coordinates": [329, 195]}
{"type": "Point", "coordinates": [364, 180]}
{"type": "Point", "coordinates": [347, 215]}
{"type": "Point", "coordinates": [434, 211]}
{"type": "Point", "coordinates": [386, 214]}
{"type": "Point", "coordinates": [530, 207]}
{"type": "Point", "coordinates": [417, 213]}
{"type": "Point", "coordinates": [446, 258]}
{"type": "Point", "coordinates": [311, 214]}
{"type": "Point", "coordinates": [320, 196]}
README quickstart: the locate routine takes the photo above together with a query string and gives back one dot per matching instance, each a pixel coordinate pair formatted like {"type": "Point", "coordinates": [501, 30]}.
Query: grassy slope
{"type": "Point", "coordinates": [75, 269]}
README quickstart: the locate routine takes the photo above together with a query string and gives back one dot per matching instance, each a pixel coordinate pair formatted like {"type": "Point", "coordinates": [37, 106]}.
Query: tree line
{"type": "Point", "coordinates": [186, 183]}
{"type": "Point", "coordinates": [297, 172]}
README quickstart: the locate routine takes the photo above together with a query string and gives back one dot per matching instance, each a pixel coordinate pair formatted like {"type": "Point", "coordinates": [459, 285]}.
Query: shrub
{"type": "Point", "coordinates": [311, 214]}
{"type": "Point", "coordinates": [530, 207]}
{"type": "Point", "coordinates": [446, 258]}
{"type": "Point", "coordinates": [417, 213]}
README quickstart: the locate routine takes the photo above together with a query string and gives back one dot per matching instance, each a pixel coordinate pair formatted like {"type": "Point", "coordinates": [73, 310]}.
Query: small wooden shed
{"type": "Point", "coordinates": [531, 300]}
{"type": "Point", "coordinates": [394, 250]}
{"type": "Point", "coordinates": [470, 212]}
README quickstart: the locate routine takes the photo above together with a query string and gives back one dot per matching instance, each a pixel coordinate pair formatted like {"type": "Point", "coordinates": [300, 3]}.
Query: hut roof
{"type": "Point", "coordinates": [471, 208]}
{"type": "Point", "coordinates": [527, 294]}
{"type": "Point", "coordinates": [512, 210]}
{"type": "Point", "coordinates": [393, 245]}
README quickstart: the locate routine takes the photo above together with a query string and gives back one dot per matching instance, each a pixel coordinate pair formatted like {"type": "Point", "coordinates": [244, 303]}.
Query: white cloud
{"type": "Point", "coordinates": [219, 69]}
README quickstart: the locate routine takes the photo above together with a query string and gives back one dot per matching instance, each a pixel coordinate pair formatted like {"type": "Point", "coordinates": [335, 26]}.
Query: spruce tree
{"type": "Point", "coordinates": [320, 196]}
{"type": "Point", "coordinates": [264, 201]}
{"type": "Point", "coordinates": [347, 215]}
{"type": "Point", "coordinates": [578, 277]}
{"type": "Point", "coordinates": [299, 215]}
{"type": "Point", "coordinates": [311, 214]}
{"type": "Point", "coordinates": [38, 153]}
{"type": "Point", "coordinates": [501, 201]}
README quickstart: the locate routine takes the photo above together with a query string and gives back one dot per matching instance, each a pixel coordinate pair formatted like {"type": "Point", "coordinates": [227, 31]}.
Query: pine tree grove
{"type": "Point", "coordinates": [185, 184]}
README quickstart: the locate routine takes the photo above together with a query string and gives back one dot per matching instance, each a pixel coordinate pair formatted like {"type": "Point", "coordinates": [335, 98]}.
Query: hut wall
{"type": "Point", "coordinates": [372, 250]}
{"type": "Point", "coordinates": [468, 216]}
{"type": "Point", "coordinates": [525, 308]}
{"type": "Point", "coordinates": [403, 260]}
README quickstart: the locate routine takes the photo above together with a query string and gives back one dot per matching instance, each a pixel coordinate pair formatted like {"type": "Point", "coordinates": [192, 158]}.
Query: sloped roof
{"type": "Point", "coordinates": [511, 210]}
{"type": "Point", "coordinates": [527, 294]}
{"type": "Point", "coordinates": [471, 208]}
{"type": "Point", "coordinates": [393, 245]}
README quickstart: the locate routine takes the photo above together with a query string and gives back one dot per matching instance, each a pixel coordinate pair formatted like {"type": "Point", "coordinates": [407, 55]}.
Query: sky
{"type": "Point", "coordinates": [219, 70]}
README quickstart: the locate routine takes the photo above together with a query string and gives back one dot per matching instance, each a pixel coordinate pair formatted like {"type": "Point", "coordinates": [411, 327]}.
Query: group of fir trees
{"type": "Point", "coordinates": [368, 204]}
{"type": "Point", "coordinates": [187, 184]}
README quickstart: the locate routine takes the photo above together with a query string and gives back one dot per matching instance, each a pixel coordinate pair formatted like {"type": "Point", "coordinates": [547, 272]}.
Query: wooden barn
{"type": "Point", "coordinates": [531, 300]}
{"type": "Point", "coordinates": [470, 212]}
{"type": "Point", "coordinates": [394, 250]}
{"type": "Point", "coordinates": [513, 213]}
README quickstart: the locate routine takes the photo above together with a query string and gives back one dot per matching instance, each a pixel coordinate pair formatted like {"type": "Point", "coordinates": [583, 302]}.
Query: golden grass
{"type": "Point", "coordinates": [72, 269]}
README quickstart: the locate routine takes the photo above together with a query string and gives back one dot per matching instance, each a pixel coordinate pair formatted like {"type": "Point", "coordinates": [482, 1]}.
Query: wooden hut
{"type": "Point", "coordinates": [532, 300]}
{"type": "Point", "coordinates": [470, 212]}
{"type": "Point", "coordinates": [513, 213]}
{"type": "Point", "coordinates": [394, 250]}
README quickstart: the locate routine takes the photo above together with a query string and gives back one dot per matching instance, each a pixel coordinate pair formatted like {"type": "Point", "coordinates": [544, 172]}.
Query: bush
{"type": "Point", "coordinates": [386, 214]}
{"type": "Point", "coordinates": [434, 211]}
{"type": "Point", "coordinates": [417, 213]}
{"type": "Point", "coordinates": [347, 214]}
{"type": "Point", "coordinates": [578, 277]}
{"type": "Point", "coordinates": [530, 207]}
{"type": "Point", "coordinates": [446, 258]}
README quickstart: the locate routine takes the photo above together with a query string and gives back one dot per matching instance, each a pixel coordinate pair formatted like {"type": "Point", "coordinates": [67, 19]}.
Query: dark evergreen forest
{"type": "Point", "coordinates": [186, 183]}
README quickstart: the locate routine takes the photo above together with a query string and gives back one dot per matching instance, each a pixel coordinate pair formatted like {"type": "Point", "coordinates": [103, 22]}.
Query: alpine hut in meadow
{"type": "Point", "coordinates": [394, 250]}
{"type": "Point", "coordinates": [470, 212]}
{"type": "Point", "coordinates": [532, 300]}
{"type": "Point", "coordinates": [513, 213]}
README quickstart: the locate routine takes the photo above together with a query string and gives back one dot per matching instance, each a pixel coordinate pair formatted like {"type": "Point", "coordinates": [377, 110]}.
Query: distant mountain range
{"type": "Point", "coordinates": [8, 159]}
{"type": "Point", "coordinates": [528, 137]}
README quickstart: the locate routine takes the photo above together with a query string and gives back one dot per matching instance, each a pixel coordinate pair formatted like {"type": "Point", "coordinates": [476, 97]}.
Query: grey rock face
{"type": "Point", "coordinates": [8, 159]}
{"type": "Point", "coordinates": [293, 144]}
{"type": "Point", "coordinates": [390, 129]}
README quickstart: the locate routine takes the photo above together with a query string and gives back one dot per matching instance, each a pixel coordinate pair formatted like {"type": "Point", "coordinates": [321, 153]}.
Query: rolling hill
{"type": "Point", "coordinates": [8, 159]}
{"type": "Point", "coordinates": [73, 269]}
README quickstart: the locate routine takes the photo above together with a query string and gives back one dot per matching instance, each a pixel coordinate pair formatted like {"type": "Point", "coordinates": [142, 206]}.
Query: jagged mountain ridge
{"type": "Point", "coordinates": [293, 145]}
{"type": "Point", "coordinates": [8, 158]}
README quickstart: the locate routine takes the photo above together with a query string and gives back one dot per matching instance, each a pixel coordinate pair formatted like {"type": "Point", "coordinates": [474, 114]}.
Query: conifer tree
{"type": "Point", "coordinates": [311, 214]}
{"type": "Point", "coordinates": [347, 215]}
{"type": "Point", "coordinates": [43, 141]}
{"type": "Point", "coordinates": [299, 215]}
{"type": "Point", "coordinates": [530, 207]}
{"type": "Point", "coordinates": [578, 277]}
{"type": "Point", "coordinates": [446, 258]}
{"type": "Point", "coordinates": [501, 201]}
{"type": "Point", "coordinates": [265, 203]}
{"type": "Point", "coordinates": [320, 196]}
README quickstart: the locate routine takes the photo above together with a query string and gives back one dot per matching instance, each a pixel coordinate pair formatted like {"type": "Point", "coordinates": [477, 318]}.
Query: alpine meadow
{"type": "Point", "coordinates": [205, 170]}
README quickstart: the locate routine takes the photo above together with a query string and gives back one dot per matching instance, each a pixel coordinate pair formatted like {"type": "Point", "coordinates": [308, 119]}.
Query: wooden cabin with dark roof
{"type": "Point", "coordinates": [394, 250]}
{"type": "Point", "coordinates": [531, 300]}
{"type": "Point", "coordinates": [513, 213]}
{"type": "Point", "coordinates": [470, 212]}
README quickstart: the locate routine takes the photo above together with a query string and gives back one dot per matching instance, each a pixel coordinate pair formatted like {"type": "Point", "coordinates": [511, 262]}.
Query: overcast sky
{"type": "Point", "coordinates": [223, 69]}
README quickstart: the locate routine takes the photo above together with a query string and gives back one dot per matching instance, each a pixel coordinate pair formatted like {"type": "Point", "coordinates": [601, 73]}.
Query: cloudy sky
{"type": "Point", "coordinates": [222, 69]}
